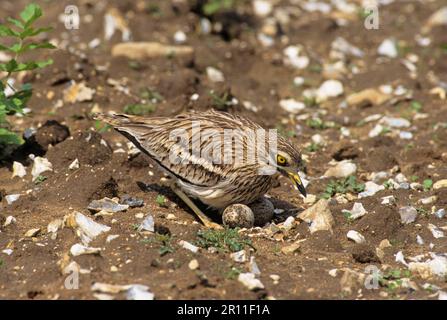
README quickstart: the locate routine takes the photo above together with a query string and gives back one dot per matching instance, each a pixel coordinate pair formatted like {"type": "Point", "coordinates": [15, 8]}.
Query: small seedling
{"type": "Point", "coordinates": [427, 184]}
{"type": "Point", "coordinates": [101, 128]}
{"type": "Point", "coordinates": [40, 179]}
{"type": "Point", "coordinates": [21, 30]}
{"type": "Point", "coordinates": [211, 7]}
{"type": "Point", "coordinates": [161, 201]}
{"type": "Point", "coordinates": [346, 185]}
{"type": "Point", "coordinates": [151, 95]}
{"type": "Point", "coordinates": [223, 240]}
{"type": "Point", "coordinates": [139, 109]}
{"type": "Point", "coordinates": [392, 280]}
{"type": "Point", "coordinates": [221, 102]}
{"type": "Point", "coordinates": [318, 124]}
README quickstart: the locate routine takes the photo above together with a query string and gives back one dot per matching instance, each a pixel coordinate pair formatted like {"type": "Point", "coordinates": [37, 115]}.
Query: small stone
{"type": "Point", "coordinates": [388, 48]}
{"type": "Point", "coordinates": [111, 237]}
{"type": "Point", "coordinates": [32, 233]}
{"type": "Point", "coordinates": [295, 58]}
{"type": "Point", "coordinates": [132, 202]}
{"type": "Point", "coordinates": [368, 96]}
{"type": "Point", "coordinates": [262, 8]}
{"type": "Point", "coordinates": [107, 205]}
{"type": "Point", "coordinates": [193, 264]}
{"type": "Point", "coordinates": [18, 170]}
{"type": "Point", "coordinates": [139, 292]}
{"type": "Point", "coordinates": [333, 272]}
{"type": "Point", "coordinates": [275, 278]}
{"type": "Point", "coordinates": [329, 89]}
{"type": "Point", "coordinates": [319, 216]}
{"type": "Point", "coordinates": [253, 266]}
{"type": "Point", "coordinates": [440, 184]}
{"type": "Point", "coordinates": [440, 213]}
{"type": "Point", "coordinates": [9, 220]}
{"type": "Point", "coordinates": [291, 249]}
{"type": "Point", "coordinates": [342, 169]}
{"type": "Point", "coordinates": [341, 45]}
{"type": "Point", "coordinates": [435, 231]}
{"type": "Point", "coordinates": [78, 92]}
{"type": "Point", "coordinates": [355, 236]}
{"type": "Point", "coordinates": [395, 122]}
{"type": "Point", "coordinates": [113, 269]}
{"type": "Point", "coordinates": [248, 280]}
{"type": "Point", "coordinates": [147, 50]}
{"type": "Point", "coordinates": [408, 214]}
{"type": "Point", "coordinates": [215, 75]}
{"type": "Point", "coordinates": [292, 105]}
{"type": "Point", "coordinates": [428, 200]}
{"type": "Point", "coordinates": [371, 189]}
{"type": "Point", "coordinates": [288, 224]}
{"type": "Point", "coordinates": [238, 215]}
{"type": "Point", "coordinates": [180, 37]}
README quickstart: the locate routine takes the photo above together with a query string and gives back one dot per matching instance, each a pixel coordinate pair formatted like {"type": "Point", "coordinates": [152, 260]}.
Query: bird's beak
{"type": "Point", "coordinates": [294, 176]}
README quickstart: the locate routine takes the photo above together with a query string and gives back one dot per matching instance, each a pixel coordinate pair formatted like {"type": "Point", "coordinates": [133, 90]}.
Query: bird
{"type": "Point", "coordinates": [214, 156]}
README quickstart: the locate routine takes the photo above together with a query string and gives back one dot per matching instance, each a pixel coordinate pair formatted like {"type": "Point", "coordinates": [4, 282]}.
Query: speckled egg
{"type": "Point", "coordinates": [238, 215]}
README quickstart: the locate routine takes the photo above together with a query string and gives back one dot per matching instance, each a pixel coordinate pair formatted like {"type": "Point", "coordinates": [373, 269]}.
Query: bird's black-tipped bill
{"type": "Point", "coordinates": [298, 183]}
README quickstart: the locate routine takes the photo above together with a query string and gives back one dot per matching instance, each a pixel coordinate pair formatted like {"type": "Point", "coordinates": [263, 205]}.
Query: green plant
{"type": "Point", "coordinates": [416, 106]}
{"type": "Point", "coordinates": [392, 279]}
{"type": "Point", "coordinates": [233, 273]}
{"type": "Point", "coordinates": [427, 184]}
{"type": "Point", "coordinates": [318, 124]}
{"type": "Point", "coordinates": [139, 109]}
{"type": "Point", "coordinates": [21, 31]}
{"type": "Point", "coordinates": [151, 95]}
{"type": "Point", "coordinates": [223, 240]}
{"type": "Point", "coordinates": [101, 128]}
{"type": "Point", "coordinates": [211, 7]}
{"type": "Point", "coordinates": [40, 179]}
{"type": "Point", "coordinates": [161, 201]}
{"type": "Point", "coordinates": [221, 102]}
{"type": "Point", "coordinates": [313, 147]}
{"type": "Point", "coordinates": [346, 185]}
{"type": "Point", "coordinates": [163, 240]}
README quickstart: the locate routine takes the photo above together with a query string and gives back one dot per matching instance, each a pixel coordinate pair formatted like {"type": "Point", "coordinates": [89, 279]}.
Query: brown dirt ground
{"type": "Point", "coordinates": [253, 73]}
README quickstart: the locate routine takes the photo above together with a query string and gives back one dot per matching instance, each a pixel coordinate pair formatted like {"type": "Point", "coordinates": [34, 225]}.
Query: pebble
{"type": "Point", "coordinates": [388, 48]}
{"type": "Point", "coordinates": [193, 264]}
{"type": "Point", "coordinates": [9, 220]}
{"type": "Point", "coordinates": [32, 232]}
{"type": "Point", "coordinates": [275, 278]}
{"type": "Point", "coordinates": [107, 205]}
{"type": "Point", "coordinates": [147, 50]}
{"type": "Point", "coordinates": [214, 74]}
{"type": "Point", "coordinates": [180, 37]}
{"type": "Point", "coordinates": [132, 202]}
{"type": "Point", "coordinates": [395, 122]}
{"type": "Point", "coordinates": [333, 272]}
{"type": "Point", "coordinates": [329, 89]}
{"type": "Point", "coordinates": [74, 165]}
{"type": "Point", "coordinates": [371, 189]}
{"type": "Point", "coordinates": [428, 200]}
{"type": "Point", "coordinates": [78, 92]}
{"type": "Point", "coordinates": [88, 228]}
{"type": "Point", "coordinates": [435, 231]}
{"type": "Point", "coordinates": [292, 105]}
{"type": "Point", "coordinates": [408, 214]}
{"type": "Point", "coordinates": [294, 58]}
{"type": "Point", "coordinates": [357, 211]}
{"type": "Point", "coordinates": [370, 95]}
{"type": "Point", "coordinates": [291, 249]}
{"type": "Point", "coordinates": [288, 224]}
{"type": "Point", "coordinates": [249, 280]}
{"type": "Point", "coordinates": [440, 213]}
{"type": "Point", "coordinates": [342, 169]}
{"type": "Point", "coordinates": [355, 236]}
{"type": "Point", "coordinates": [440, 184]}
{"type": "Point", "coordinates": [342, 45]}
{"type": "Point", "coordinates": [388, 200]}
{"type": "Point", "coordinates": [139, 292]}
{"type": "Point", "coordinates": [253, 266]}
{"type": "Point", "coordinates": [262, 8]}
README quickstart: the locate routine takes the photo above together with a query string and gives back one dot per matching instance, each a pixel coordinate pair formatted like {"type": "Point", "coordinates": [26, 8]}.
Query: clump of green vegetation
{"type": "Point", "coordinates": [21, 30]}
{"type": "Point", "coordinates": [161, 201]}
{"type": "Point", "coordinates": [211, 7]}
{"type": "Point", "coordinates": [416, 106]}
{"type": "Point", "coordinates": [223, 240]}
{"type": "Point", "coordinates": [102, 127]}
{"type": "Point", "coordinates": [233, 273]}
{"type": "Point", "coordinates": [427, 184]}
{"type": "Point", "coordinates": [164, 241]}
{"type": "Point", "coordinates": [346, 185]}
{"type": "Point", "coordinates": [310, 102]}
{"type": "Point", "coordinates": [313, 147]}
{"type": "Point", "coordinates": [223, 101]}
{"type": "Point", "coordinates": [40, 179]}
{"type": "Point", "coordinates": [392, 279]}
{"type": "Point", "coordinates": [151, 95]}
{"type": "Point", "coordinates": [139, 109]}
{"type": "Point", "coordinates": [384, 131]}
{"type": "Point", "coordinates": [318, 124]}
{"type": "Point", "coordinates": [283, 131]}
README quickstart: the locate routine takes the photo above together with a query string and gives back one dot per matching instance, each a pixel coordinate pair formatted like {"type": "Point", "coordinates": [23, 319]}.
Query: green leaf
{"type": "Point", "coordinates": [8, 137]}
{"type": "Point", "coordinates": [32, 65]}
{"type": "Point", "coordinates": [31, 32]}
{"type": "Point", "coordinates": [30, 14]}
{"type": "Point", "coordinates": [428, 183]}
{"type": "Point", "coordinates": [7, 32]}
{"type": "Point", "coordinates": [17, 23]}
{"type": "Point", "coordinates": [11, 65]}
{"type": "Point", "coordinates": [34, 46]}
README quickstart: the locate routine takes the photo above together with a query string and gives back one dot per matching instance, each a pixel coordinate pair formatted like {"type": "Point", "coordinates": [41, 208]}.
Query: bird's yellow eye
{"type": "Point", "coordinates": [281, 160]}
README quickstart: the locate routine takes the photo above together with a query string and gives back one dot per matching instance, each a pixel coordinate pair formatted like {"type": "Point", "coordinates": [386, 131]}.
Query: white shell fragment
{"type": "Point", "coordinates": [239, 256]}
{"type": "Point", "coordinates": [79, 249]}
{"type": "Point", "coordinates": [355, 236]}
{"type": "Point", "coordinates": [147, 224]}
{"type": "Point", "coordinates": [294, 58]}
{"type": "Point", "coordinates": [248, 280]}
{"type": "Point", "coordinates": [319, 216]}
{"type": "Point", "coordinates": [10, 198]}
{"type": "Point", "coordinates": [357, 211]}
{"type": "Point", "coordinates": [89, 229]}
{"type": "Point", "coordinates": [18, 170]}
{"type": "Point", "coordinates": [188, 246]}
{"type": "Point", "coordinates": [371, 189]}
{"type": "Point", "coordinates": [329, 89]}
{"type": "Point", "coordinates": [74, 165]}
{"type": "Point", "coordinates": [435, 231]}
{"type": "Point", "coordinates": [40, 166]}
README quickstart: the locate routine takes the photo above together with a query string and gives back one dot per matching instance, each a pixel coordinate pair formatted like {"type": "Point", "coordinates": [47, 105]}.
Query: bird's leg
{"type": "Point", "coordinates": [205, 220]}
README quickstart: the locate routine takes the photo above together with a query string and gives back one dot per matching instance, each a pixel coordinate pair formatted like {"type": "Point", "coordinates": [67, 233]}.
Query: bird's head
{"type": "Point", "coordinates": [289, 163]}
